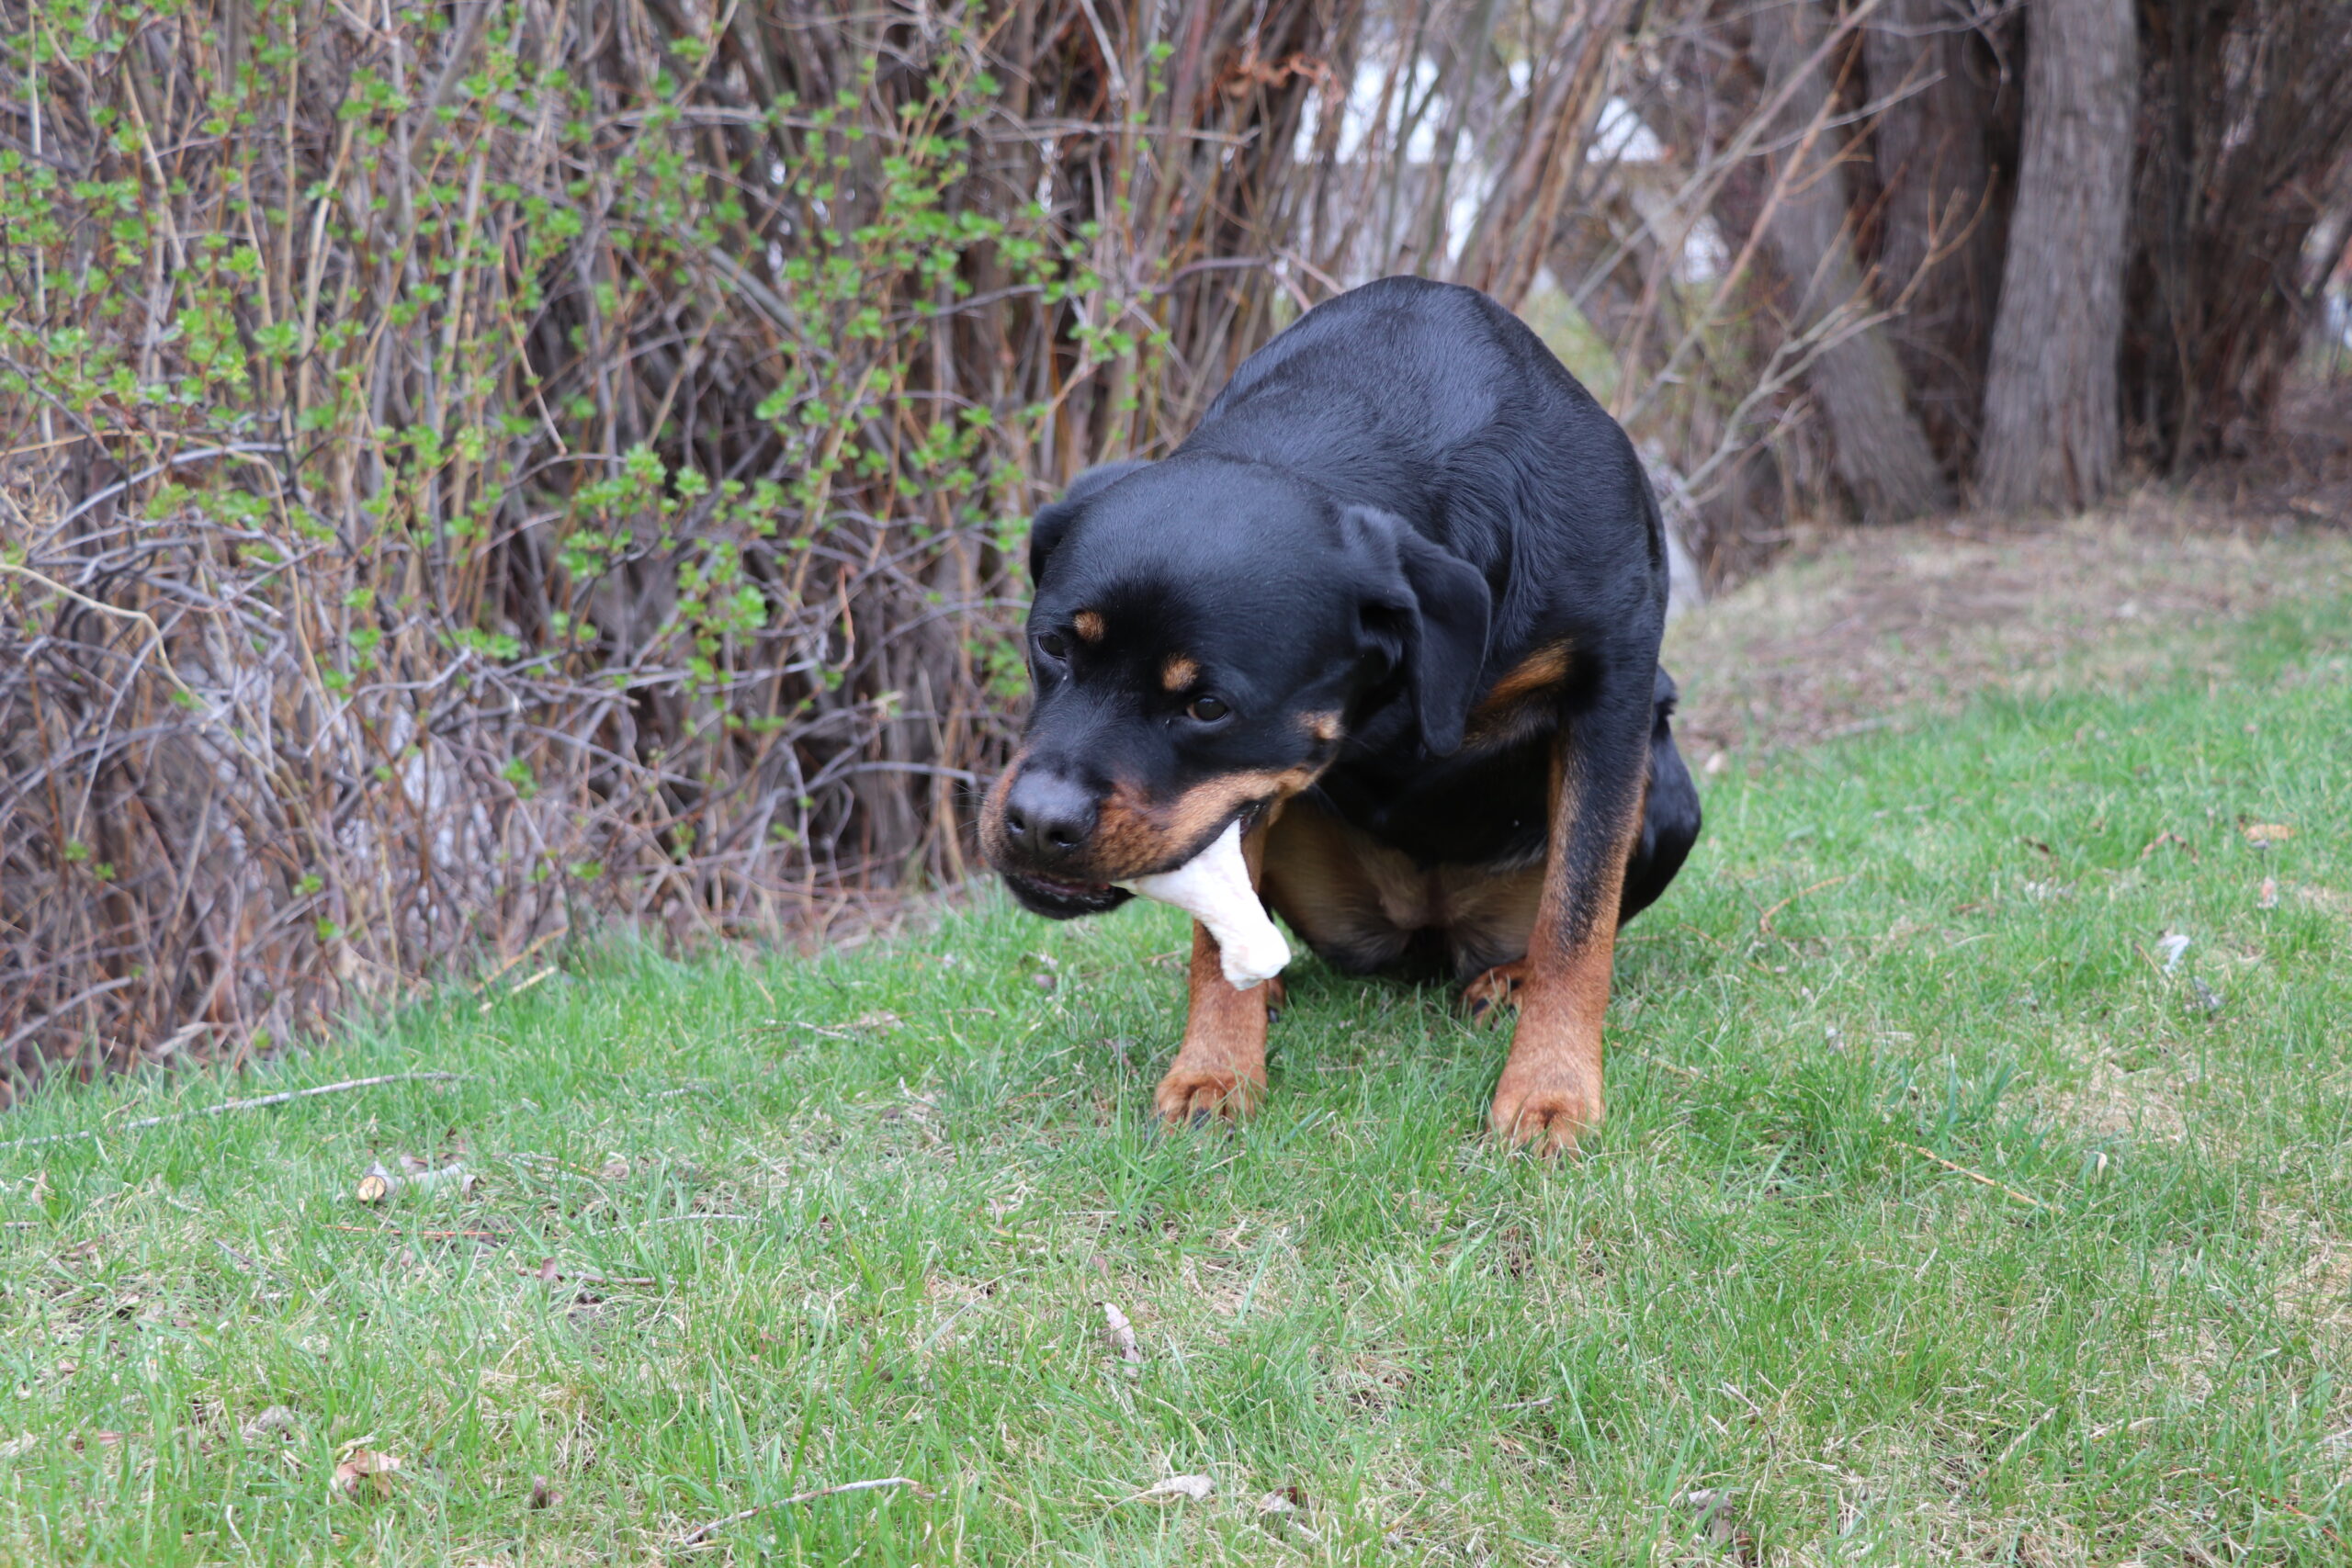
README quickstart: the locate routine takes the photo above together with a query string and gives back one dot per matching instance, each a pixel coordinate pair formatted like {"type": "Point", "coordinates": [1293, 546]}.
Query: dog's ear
{"type": "Point", "coordinates": [1428, 608]}
{"type": "Point", "coordinates": [1053, 520]}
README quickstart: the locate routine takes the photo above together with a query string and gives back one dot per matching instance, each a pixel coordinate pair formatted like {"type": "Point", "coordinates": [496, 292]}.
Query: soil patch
{"type": "Point", "coordinates": [1862, 628]}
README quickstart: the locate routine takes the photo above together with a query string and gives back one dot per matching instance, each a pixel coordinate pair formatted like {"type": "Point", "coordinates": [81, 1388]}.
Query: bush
{"type": "Point", "coordinates": [498, 464]}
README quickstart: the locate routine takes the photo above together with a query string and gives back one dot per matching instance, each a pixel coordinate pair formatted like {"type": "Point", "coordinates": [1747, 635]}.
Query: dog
{"type": "Point", "coordinates": [1395, 606]}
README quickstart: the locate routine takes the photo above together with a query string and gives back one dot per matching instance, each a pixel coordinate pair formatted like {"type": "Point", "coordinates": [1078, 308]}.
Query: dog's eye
{"type": "Point", "coordinates": [1053, 644]}
{"type": "Point", "coordinates": [1208, 710]}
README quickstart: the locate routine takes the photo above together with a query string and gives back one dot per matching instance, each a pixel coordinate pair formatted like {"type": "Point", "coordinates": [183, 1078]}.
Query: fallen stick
{"type": "Point", "coordinates": [548, 1273]}
{"type": "Point", "coordinates": [1975, 1176]}
{"type": "Point", "coordinates": [1764, 922]}
{"type": "Point", "coordinates": [517, 990]}
{"type": "Point", "coordinates": [422, 1236]}
{"type": "Point", "coordinates": [228, 1105]}
{"type": "Point", "coordinates": [706, 1531]}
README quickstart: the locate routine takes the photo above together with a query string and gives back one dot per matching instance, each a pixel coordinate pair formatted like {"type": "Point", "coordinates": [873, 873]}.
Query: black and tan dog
{"type": "Point", "coordinates": [1396, 606]}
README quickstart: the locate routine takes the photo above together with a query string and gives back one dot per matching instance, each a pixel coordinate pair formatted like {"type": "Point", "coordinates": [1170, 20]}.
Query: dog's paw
{"type": "Point", "coordinates": [1195, 1096]}
{"type": "Point", "coordinates": [1485, 997]}
{"type": "Point", "coordinates": [1547, 1118]}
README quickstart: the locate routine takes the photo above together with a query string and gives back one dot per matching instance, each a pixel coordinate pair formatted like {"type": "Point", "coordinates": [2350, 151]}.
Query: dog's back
{"type": "Point", "coordinates": [1434, 403]}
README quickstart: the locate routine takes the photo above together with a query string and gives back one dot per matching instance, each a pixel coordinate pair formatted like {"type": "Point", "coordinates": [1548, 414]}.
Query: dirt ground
{"type": "Point", "coordinates": [1863, 628]}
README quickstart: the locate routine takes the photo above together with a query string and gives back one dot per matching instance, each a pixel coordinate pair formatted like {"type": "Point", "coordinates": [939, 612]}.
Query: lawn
{"type": "Point", "coordinates": [1947, 1211]}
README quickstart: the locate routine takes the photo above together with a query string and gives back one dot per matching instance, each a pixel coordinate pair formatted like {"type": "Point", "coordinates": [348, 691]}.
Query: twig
{"type": "Point", "coordinates": [1693, 1074]}
{"type": "Point", "coordinates": [498, 973]}
{"type": "Point", "coordinates": [239, 1258]}
{"type": "Point", "coordinates": [697, 1537]}
{"type": "Point", "coordinates": [227, 1106]}
{"type": "Point", "coordinates": [548, 1275]}
{"type": "Point", "coordinates": [428, 1235]}
{"type": "Point", "coordinates": [2030, 1428]}
{"type": "Point", "coordinates": [1975, 1176]}
{"type": "Point", "coordinates": [234, 450]}
{"type": "Point", "coordinates": [518, 990]}
{"type": "Point", "coordinates": [1764, 922]}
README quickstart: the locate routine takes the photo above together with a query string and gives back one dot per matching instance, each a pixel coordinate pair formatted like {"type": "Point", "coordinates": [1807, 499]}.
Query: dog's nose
{"type": "Point", "coordinates": [1050, 813]}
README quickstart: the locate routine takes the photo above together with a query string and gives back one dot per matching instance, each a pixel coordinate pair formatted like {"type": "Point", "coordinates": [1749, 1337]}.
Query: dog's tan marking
{"type": "Point", "coordinates": [1357, 902]}
{"type": "Point", "coordinates": [1323, 727]}
{"type": "Point", "coordinates": [1178, 672]}
{"type": "Point", "coordinates": [1134, 836]}
{"type": "Point", "coordinates": [1499, 712]}
{"type": "Point", "coordinates": [1551, 1088]}
{"type": "Point", "coordinates": [1318, 879]}
{"type": "Point", "coordinates": [1489, 915]}
{"type": "Point", "coordinates": [1486, 998]}
{"type": "Point", "coordinates": [1220, 1069]}
{"type": "Point", "coordinates": [1089, 626]}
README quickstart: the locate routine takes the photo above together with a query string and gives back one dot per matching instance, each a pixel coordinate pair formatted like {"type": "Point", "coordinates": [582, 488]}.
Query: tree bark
{"type": "Point", "coordinates": [1941, 220]}
{"type": "Point", "coordinates": [2053, 430]}
{"type": "Point", "coordinates": [1882, 455]}
{"type": "Point", "coordinates": [2245, 160]}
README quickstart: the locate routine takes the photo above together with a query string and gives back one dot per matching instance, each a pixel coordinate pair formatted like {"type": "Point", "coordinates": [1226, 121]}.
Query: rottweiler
{"type": "Point", "coordinates": [1395, 606]}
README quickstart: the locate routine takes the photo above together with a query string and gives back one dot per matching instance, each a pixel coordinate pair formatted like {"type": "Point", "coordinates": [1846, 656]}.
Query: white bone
{"type": "Point", "coordinates": [1214, 889]}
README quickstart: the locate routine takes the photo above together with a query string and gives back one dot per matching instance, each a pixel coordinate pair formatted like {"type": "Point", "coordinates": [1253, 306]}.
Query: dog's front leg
{"type": "Point", "coordinates": [1220, 1070]}
{"type": "Point", "coordinates": [1551, 1089]}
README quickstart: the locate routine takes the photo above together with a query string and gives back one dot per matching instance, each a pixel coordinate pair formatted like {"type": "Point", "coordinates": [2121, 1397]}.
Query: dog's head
{"type": "Point", "coordinates": [1206, 637]}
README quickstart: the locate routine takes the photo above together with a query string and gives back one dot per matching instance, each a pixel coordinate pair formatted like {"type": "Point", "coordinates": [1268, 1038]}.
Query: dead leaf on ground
{"type": "Point", "coordinates": [1719, 1523]}
{"type": "Point", "coordinates": [1287, 1505]}
{"type": "Point", "coordinates": [614, 1168]}
{"type": "Point", "coordinates": [277, 1421]}
{"type": "Point", "coordinates": [1196, 1487]}
{"type": "Point", "coordinates": [2268, 897]}
{"type": "Point", "coordinates": [542, 1495]}
{"type": "Point", "coordinates": [2262, 835]}
{"type": "Point", "coordinates": [881, 1018]}
{"type": "Point", "coordinates": [18, 1447]}
{"type": "Point", "coordinates": [102, 1439]}
{"type": "Point", "coordinates": [1121, 1333]}
{"type": "Point", "coordinates": [365, 1475]}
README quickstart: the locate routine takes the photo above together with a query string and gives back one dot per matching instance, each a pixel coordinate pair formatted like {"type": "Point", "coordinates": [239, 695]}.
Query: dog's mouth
{"type": "Point", "coordinates": [1058, 898]}
{"type": "Point", "coordinates": [1067, 898]}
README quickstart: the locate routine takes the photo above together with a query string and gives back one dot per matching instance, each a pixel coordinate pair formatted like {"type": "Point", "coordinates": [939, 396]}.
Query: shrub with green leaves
{"type": "Point", "coordinates": [471, 465]}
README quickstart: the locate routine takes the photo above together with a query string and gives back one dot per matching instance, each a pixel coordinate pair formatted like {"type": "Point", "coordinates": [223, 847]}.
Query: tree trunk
{"type": "Point", "coordinates": [2246, 125]}
{"type": "Point", "coordinates": [2053, 431]}
{"type": "Point", "coordinates": [1942, 220]}
{"type": "Point", "coordinates": [1881, 454]}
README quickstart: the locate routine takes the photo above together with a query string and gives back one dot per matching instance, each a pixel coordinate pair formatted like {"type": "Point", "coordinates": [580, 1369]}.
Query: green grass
{"type": "Point", "coordinates": [874, 1201]}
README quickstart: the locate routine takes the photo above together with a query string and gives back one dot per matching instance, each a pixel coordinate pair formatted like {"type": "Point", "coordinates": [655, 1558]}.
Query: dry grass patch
{"type": "Point", "coordinates": [1864, 628]}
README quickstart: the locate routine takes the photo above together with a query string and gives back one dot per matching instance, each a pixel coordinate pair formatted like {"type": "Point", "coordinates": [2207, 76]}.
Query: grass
{"type": "Point", "coordinates": [1935, 1221]}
